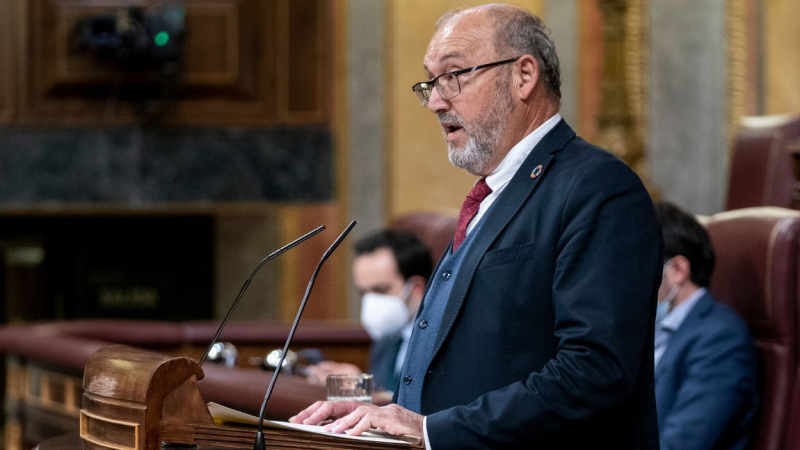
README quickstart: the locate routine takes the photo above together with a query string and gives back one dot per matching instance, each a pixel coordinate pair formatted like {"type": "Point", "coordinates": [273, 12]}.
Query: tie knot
{"type": "Point", "coordinates": [480, 191]}
{"type": "Point", "coordinates": [468, 210]}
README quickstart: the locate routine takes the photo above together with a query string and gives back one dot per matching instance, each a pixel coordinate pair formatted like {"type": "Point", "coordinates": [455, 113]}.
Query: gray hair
{"type": "Point", "coordinates": [519, 32]}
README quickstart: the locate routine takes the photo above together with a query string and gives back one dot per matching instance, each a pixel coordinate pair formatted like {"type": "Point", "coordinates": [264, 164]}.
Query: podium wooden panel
{"type": "Point", "coordinates": [73, 441]}
{"type": "Point", "coordinates": [138, 400]}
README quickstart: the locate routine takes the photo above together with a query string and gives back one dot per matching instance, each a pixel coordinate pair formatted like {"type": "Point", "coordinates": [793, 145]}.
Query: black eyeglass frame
{"type": "Point", "coordinates": [455, 73]}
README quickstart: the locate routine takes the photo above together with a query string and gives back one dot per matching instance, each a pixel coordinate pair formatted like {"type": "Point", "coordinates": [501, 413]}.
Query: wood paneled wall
{"type": "Point", "coordinates": [6, 48]}
{"type": "Point", "coordinates": [245, 62]}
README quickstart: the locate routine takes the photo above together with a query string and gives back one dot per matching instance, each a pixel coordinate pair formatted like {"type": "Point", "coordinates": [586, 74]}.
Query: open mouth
{"type": "Point", "coordinates": [450, 128]}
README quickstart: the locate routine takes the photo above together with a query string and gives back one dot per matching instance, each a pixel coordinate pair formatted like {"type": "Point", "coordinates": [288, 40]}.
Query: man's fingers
{"type": "Point", "coordinates": [357, 417]}
{"type": "Point", "coordinates": [304, 414]}
{"type": "Point", "coordinates": [347, 422]}
{"type": "Point", "coordinates": [324, 411]}
{"type": "Point", "coordinates": [363, 425]}
{"type": "Point", "coordinates": [315, 375]}
{"type": "Point", "coordinates": [344, 423]}
{"type": "Point", "coordinates": [392, 418]}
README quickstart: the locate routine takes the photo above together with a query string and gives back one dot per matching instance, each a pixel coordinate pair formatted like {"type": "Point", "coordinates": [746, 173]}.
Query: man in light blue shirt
{"type": "Point", "coordinates": [705, 362]}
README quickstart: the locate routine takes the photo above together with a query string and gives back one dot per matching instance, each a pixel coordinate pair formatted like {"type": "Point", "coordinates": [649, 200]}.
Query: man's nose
{"type": "Point", "coordinates": [436, 103]}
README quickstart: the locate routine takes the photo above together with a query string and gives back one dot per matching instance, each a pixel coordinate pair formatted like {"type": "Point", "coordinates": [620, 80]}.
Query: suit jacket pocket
{"type": "Point", "coordinates": [508, 255]}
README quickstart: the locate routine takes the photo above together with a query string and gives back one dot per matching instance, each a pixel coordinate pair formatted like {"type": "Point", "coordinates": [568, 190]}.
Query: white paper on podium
{"type": "Point", "coordinates": [222, 414]}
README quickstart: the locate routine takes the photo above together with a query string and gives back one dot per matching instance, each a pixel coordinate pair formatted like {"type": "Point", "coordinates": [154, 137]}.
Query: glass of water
{"type": "Point", "coordinates": [350, 387]}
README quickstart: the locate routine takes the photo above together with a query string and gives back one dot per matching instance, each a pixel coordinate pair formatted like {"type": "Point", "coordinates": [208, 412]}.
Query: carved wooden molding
{"type": "Point", "coordinates": [245, 62]}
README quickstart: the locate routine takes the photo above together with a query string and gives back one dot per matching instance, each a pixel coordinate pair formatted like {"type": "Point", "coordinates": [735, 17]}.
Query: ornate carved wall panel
{"type": "Point", "coordinates": [245, 62]}
{"type": "Point", "coordinates": [304, 51]}
{"type": "Point", "coordinates": [745, 53]}
{"type": "Point", "coordinates": [622, 116]}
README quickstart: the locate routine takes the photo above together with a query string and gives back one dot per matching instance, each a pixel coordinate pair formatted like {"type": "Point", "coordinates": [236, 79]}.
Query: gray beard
{"type": "Point", "coordinates": [477, 152]}
{"type": "Point", "coordinates": [483, 136]}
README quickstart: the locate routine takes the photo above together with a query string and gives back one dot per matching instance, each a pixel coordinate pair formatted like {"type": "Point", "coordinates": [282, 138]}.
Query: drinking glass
{"type": "Point", "coordinates": [350, 387]}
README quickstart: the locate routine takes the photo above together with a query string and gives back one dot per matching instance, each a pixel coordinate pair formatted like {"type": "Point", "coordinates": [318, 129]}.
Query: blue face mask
{"type": "Point", "coordinates": [662, 309]}
{"type": "Point", "coordinates": [664, 305]}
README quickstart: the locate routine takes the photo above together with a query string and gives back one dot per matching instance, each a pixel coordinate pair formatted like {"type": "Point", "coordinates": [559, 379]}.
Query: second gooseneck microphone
{"type": "Point", "coordinates": [259, 443]}
{"type": "Point", "coordinates": [269, 257]}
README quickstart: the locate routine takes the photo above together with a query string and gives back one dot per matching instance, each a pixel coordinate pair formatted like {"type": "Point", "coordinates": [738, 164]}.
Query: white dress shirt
{"type": "Point", "coordinates": [504, 171]}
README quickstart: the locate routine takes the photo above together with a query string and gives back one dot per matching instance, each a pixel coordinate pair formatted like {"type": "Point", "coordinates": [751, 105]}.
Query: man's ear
{"type": "Point", "coordinates": [525, 76]}
{"type": "Point", "coordinates": [682, 269]}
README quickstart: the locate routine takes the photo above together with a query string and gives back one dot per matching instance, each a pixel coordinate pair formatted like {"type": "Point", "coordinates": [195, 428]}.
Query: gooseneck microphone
{"type": "Point", "coordinates": [259, 442]}
{"type": "Point", "coordinates": [269, 257]}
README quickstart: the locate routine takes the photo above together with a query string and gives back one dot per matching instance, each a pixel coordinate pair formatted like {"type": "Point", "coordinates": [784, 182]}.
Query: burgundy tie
{"type": "Point", "coordinates": [468, 210]}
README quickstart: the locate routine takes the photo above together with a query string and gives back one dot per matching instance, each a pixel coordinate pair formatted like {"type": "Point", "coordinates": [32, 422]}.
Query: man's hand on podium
{"type": "Point", "coordinates": [354, 417]}
{"type": "Point", "coordinates": [317, 373]}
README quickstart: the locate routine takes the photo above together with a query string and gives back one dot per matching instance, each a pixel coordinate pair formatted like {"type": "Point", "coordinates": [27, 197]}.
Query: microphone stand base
{"type": "Point", "coordinates": [259, 444]}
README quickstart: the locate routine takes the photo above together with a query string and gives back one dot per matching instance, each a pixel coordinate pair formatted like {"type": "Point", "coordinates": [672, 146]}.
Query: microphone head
{"type": "Point", "coordinates": [338, 240]}
{"type": "Point", "coordinates": [223, 353]}
{"type": "Point", "coordinates": [273, 358]}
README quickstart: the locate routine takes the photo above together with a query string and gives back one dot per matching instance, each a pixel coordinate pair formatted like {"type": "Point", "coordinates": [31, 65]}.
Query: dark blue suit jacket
{"type": "Point", "coordinates": [706, 381]}
{"type": "Point", "coordinates": [547, 337]}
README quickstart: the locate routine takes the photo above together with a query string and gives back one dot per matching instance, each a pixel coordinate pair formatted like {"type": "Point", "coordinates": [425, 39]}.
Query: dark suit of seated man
{"type": "Point", "coordinates": [705, 362]}
{"type": "Point", "coordinates": [390, 271]}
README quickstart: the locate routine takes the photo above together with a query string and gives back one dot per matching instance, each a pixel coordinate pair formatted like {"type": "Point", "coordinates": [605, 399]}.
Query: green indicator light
{"type": "Point", "coordinates": [162, 38]}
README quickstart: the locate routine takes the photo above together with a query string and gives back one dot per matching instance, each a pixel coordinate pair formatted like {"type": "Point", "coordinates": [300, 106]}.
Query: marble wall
{"type": "Point", "coordinates": [135, 166]}
{"type": "Point", "coordinates": [254, 187]}
{"type": "Point", "coordinates": [688, 131]}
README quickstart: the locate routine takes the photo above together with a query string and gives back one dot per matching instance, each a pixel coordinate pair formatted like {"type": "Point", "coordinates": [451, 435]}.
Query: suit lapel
{"type": "Point", "coordinates": [504, 208]}
{"type": "Point", "coordinates": [680, 336]}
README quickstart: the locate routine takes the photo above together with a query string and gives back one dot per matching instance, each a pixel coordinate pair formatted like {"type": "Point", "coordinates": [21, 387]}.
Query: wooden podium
{"type": "Point", "coordinates": [136, 400]}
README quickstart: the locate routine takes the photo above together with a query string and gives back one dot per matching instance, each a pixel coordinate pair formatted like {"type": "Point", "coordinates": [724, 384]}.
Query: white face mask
{"type": "Point", "coordinates": [383, 315]}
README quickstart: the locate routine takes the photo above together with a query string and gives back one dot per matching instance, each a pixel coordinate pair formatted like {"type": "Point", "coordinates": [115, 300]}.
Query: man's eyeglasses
{"type": "Point", "coordinates": [447, 83]}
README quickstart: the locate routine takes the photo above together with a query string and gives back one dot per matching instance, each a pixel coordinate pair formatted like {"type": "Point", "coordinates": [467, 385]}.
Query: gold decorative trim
{"type": "Point", "coordinates": [736, 28]}
{"type": "Point", "coordinates": [623, 112]}
{"type": "Point", "coordinates": [636, 50]}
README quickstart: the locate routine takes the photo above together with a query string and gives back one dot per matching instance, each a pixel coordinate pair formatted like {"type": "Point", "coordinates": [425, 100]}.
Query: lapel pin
{"type": "Point", "coordinates": [537, 171]}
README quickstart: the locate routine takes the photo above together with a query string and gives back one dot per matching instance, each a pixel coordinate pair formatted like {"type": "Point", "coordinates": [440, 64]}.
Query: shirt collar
{"type": "Point", "coordinates": [675, 318]}
{"type": "Point", "coordinates": [504, 171]}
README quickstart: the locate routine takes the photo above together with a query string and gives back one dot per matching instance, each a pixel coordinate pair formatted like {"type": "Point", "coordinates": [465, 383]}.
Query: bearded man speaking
{"type": "Point", "coordinates": [536, 330]}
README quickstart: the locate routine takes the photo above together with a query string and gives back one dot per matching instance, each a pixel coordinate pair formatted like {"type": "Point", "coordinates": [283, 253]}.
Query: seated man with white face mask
{"type": "Point", "coordinates": [705, 362]}
{"type": "Point", "coordinates": [390, 270]}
